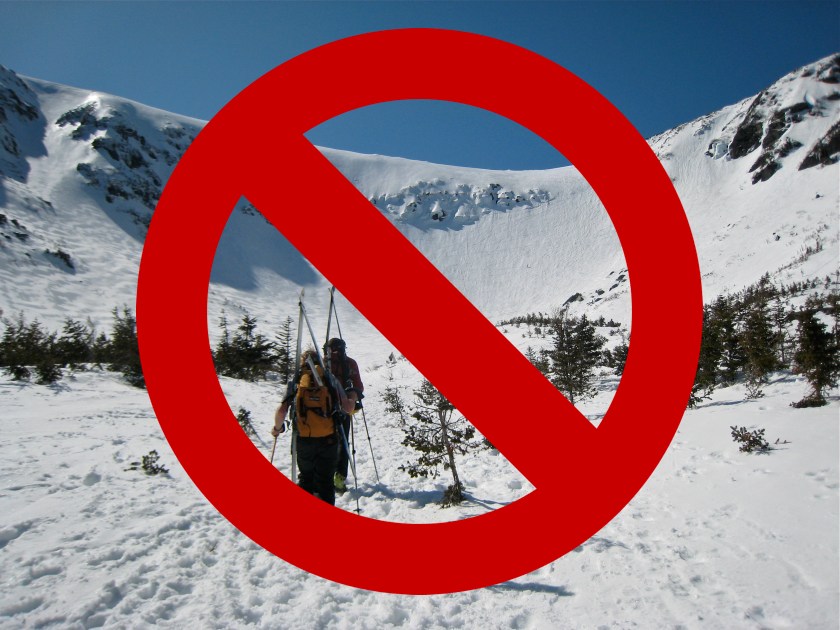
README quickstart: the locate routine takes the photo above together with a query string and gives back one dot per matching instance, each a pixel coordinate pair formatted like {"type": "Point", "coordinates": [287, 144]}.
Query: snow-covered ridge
{"type": "Point", "coordinates": [82, 172]}
{"type": "Point", "coordinates": [21, 122]}
{"type": "Point", "coordinates": [129, 172]}
{"type": "Point", "coordinates": [128, 163]}
{"type": "Point", "coordinates": [783, 120]}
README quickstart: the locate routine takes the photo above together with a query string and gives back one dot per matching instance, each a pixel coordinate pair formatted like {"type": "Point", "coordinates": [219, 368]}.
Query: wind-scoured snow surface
{"type": "Point", "coordinates": [715, 539]}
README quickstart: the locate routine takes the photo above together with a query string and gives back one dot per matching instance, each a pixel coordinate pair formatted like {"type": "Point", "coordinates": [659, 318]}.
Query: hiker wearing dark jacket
{"type": "Point", "coordinates": [346, 372]}
{"type": "Point", "coordinates": [317, 457]}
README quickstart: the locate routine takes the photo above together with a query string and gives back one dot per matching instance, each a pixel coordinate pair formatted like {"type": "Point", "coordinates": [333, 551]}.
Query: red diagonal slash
{"type": "Point", "coordinates": [255, 147]}
{"type": "Point", "coordinates": [401, 293]}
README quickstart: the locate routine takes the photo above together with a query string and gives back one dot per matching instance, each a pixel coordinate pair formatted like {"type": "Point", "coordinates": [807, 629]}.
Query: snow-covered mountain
{"type": "Point", "coordinates": [82, 172]}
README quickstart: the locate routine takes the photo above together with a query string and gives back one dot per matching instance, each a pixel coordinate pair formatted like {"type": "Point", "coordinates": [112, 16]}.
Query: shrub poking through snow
{"type": "Point", "coordinates": [244, 419]}
{"type": "Point", "coordinates": [149, 465]}
{"type": "Point", "coordinates": [750, 441]}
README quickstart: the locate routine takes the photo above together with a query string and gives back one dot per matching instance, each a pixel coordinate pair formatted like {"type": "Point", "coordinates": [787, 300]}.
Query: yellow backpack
{"type": "Point", "coordinates": [314, 405]}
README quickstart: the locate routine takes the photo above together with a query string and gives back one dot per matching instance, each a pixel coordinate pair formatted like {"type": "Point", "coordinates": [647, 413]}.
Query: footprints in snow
{"type": "Point", "coordinates": [822, 478]}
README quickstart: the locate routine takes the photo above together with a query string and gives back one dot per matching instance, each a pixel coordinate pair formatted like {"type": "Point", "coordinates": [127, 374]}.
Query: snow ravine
{"type": "Point", "coordinates": [716, 539]}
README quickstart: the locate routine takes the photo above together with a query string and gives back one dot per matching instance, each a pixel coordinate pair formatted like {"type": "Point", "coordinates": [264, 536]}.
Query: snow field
{"type": "Point", "coordinates": [716, 539]}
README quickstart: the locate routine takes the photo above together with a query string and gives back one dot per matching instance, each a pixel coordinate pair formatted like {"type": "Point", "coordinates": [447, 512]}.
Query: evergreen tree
{"type": "Point", "coordinates": [285, 359]}
{"type": "Point", "coordinates": [833, 308]}
{"type": "Point", "coordinates": [243, 416]}
{"type": "Point", "coordinates": [817, 357]}
{"type": "Point", "coordinates": [618, 357]}
{"type": "Point", "coordinates": [47, 371]}
{"type": "Point", "coordinates": [395, 404]}
{"type": "Point", "coordinates": [437, 434]}
{"type": "Point", "coordinates": [24, 346]}
{"type": "Point", "coordinates": [725, 323]}
{"type": "Point", "coordinates": [780, 314]}
{"type": "Point", "coordinates": [223, 357]}
{"type": "Point", "coordinates": [711, 351]}
{"type": "Point", "coordinates": [123, 352]}
{"type": "Point", "coordinates": [575, 354]}
{"type": "Point", "coordinates": [539, 361]}
{"type": "Point", "coordinates": [100, 348]}
{"type": "Point", "coordinates": [256, 353]}
{"type": "Point", "coordinates": [75, 345]}
{"type": "Point", "coordinates": [246, 355]}
{"type": "Point", "coordinates": [758, 342]}
{"type": "Point", "coordinates": [12, 354]}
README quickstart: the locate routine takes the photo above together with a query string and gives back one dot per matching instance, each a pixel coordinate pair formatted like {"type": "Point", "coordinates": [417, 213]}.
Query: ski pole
{"type": "Point", "coordinates": [372, 456]}
{"type": "Point", "coordinates": [274, 446]}
{"type": "Point", "coordinates": [297, 377]}
{"type": "Point", "coordinates": [353, 440]}
{"type": "Point", "coordinates": [294, 457]}
{"type": "Point", "coordinates": [334, 311]}
{"type": "Point", "coordinates": [352, 464]}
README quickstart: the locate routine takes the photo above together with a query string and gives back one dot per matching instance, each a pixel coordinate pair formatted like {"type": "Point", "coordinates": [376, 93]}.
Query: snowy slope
{"type": "Point", "coordinates": [716, 539]}
{"type": "Point", "coordinates": [93, 178]}
{"type": "Point", "coordinates": [95, 174]}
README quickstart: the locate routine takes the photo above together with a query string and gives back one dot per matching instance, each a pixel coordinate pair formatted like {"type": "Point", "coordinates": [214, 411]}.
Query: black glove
{"type": "Point", "coordinates": [275, 431]}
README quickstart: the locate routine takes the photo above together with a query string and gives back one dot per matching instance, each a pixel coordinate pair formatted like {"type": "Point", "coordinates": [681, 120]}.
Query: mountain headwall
{"type": "Point", "coordinates": [81, 173]}
{"type": "Point", "coordinates": [771, 128]}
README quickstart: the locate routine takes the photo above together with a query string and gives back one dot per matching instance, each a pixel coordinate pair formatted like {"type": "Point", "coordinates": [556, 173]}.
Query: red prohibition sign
{"type": "Point", "coordinates": [255, 147]}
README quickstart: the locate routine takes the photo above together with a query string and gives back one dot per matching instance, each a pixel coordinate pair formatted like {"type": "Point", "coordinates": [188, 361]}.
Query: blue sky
{"type": "Point", "coordinates": [660, 63]}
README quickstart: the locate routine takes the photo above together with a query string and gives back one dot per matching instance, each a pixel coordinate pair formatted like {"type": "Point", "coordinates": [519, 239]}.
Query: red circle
{"type": "Point", "coordinates": [255, 147]}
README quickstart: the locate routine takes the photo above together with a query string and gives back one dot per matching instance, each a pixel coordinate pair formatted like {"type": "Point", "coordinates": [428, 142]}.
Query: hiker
{"type": "Point", "coordinates": [318, 442]}
{"type": "Point", "coordinates": [346, 372]}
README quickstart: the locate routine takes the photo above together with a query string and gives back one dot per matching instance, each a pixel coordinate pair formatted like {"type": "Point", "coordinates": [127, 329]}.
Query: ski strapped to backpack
{"type": "Point", "coordinates": [349, 384]}
{"type": "Point", "coordinates": [317, 395]}
{"type": "Point", "coordinates": [314, 403]}
{"type": "Point", "coordinates": [329, 380]}
{"type": "Point", "coordinates": [297, 375]}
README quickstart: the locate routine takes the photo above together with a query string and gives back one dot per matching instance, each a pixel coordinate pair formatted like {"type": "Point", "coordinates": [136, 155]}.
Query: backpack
{"type": "Point", "coordinates": [346, 373]}
{"type": "Point", "coordinates": [314, 405]}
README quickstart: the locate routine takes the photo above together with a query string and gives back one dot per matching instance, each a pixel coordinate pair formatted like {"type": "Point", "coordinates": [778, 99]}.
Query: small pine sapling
{"type": "Point", "coordinates": [149, 465]}
{"type": "Point", "coordinates": [18, 372]}
{"type": "Point", "coordinates": [48, 372]}
{"type": "Point", "coordinates": [754, 390]}
{"type": "Point", "coordinates": [394, 403]}
{"type": "Point", "coordinates": [433, 430]}
{"type": "Point", "coordinates": [244, 419]}
{"type": "Point", "coordinates": [750, 441]}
